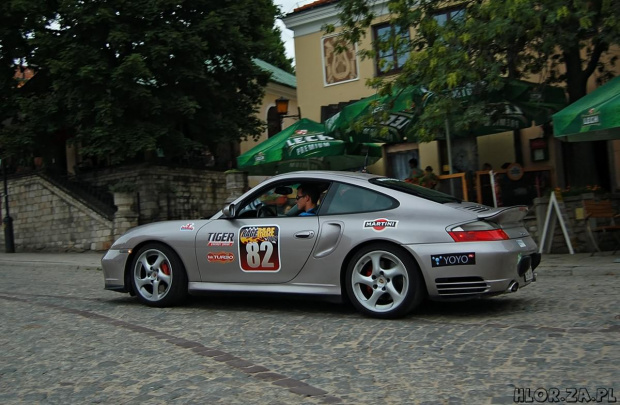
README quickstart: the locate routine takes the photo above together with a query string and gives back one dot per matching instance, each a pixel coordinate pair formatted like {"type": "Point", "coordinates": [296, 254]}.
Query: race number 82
{"type": "Point", "coordinates": [259, 248]}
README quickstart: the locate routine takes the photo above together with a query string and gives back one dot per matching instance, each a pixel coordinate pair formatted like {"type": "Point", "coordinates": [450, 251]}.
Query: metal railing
{"type": "Point", "coordinates": [96, 197]}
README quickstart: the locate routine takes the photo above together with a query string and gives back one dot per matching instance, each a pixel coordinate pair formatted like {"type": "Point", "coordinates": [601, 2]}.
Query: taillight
{"type": "Point", "coordinates": [477, 232]}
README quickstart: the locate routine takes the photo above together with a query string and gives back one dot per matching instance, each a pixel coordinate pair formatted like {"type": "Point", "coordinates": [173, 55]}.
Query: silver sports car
{"type": "Point", "coordinates": [381, 243]}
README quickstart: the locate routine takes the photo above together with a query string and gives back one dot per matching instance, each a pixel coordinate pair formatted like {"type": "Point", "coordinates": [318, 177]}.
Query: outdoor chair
{"type": "Point", "coordinates": [600, 218]}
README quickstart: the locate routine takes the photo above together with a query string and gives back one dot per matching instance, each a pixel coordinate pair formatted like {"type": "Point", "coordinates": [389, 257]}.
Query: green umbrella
{"type": "Point", "coordinates": [519, 104]}
{"type": "Point", "coordinates": [516, 106]}
{"type": "Point", "coordinates": [394, 113]}
{"type": "Point", "coordinates": [305, 146]}
{"type": "Point", "coordinates": [594, 117]}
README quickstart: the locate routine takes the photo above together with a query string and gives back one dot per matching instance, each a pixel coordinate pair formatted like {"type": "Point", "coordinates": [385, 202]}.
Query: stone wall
{"type": "Point", "coordinates": [576, 225]}
{"type": "Point", "coordinates": [162, 193]}
{"type": "Point", "coordinates": [45, 217]}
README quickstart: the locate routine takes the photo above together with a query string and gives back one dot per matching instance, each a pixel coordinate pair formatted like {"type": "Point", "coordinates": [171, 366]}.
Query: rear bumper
{"type": "Point", "coordinates": [476, 269]}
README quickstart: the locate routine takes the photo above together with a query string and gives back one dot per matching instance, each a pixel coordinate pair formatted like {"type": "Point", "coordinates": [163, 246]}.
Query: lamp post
{"type": "Point", "coordinates": [282, 109]}
{"type": "Point", "coordinates": [7, 222]}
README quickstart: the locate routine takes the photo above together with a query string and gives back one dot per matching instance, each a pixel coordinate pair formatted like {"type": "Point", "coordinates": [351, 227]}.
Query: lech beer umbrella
{"type": "Point", "coordinates": [594, 117]}
{"type": "Point", "coordinates": [305, 146]}
{"type": "Point", "coordinates": [517, 105]}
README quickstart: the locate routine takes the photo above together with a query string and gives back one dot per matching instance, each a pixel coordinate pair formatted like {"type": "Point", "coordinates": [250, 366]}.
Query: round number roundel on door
{"type": "Point", "coordinates": [259, 248]}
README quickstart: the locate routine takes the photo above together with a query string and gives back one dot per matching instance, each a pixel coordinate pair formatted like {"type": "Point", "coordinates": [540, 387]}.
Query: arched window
{"type": "Point", "coordinates": [274, 123]}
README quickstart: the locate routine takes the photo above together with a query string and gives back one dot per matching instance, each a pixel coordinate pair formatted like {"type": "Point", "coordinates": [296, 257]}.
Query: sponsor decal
{"type": "Point", "coordinates": [591, 118]}
{"type": "Point", "coordinates": [187, 227]}
{"type": "Point", "coordinates": [520, 243]}
{"type": "Point", "coordinates": [220, 257]}
{"type": "Point", "coordinates": [453, 259]}
{"type": "Point", "coordinates": [380, 224]}
{"type": "Point", "coordinates": [259, 248]}
{"type": "Point", "coordinates": [221, 239]}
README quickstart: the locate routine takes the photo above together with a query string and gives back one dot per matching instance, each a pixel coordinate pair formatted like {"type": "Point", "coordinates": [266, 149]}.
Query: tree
{"type": "Point", "coordinates": [122, 77]}
{"type": "Point", "coordinates": [549, 41]}
{"type": "Point", "coordinates": [18, 19]}
{"type": "Point", "coordinates": [275, 53]}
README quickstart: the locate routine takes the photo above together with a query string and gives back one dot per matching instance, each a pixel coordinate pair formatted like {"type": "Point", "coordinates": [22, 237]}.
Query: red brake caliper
{"type": "Point", "coordinates": [165, 269]}
{"type": "Point", "coordinates": [368, 273]}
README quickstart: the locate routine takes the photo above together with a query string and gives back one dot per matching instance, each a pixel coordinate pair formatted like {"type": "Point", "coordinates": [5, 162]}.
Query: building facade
{"type": "Point", "coordinates": [327, 80]}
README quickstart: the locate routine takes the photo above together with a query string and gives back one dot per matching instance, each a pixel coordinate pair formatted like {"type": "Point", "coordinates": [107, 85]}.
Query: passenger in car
{"type": "Point", "coordinates": [307, 197]}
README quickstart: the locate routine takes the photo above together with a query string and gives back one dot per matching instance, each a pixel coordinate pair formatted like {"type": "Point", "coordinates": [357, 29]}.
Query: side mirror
{"type": "Point", "coordinates": [229, 211]}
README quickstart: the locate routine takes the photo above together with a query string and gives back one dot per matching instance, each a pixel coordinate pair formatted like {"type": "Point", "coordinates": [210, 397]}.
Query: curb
{"type": "Point", "coordinates": [82, 261]}
{"type": "Point", "coordinates": [38, 264]}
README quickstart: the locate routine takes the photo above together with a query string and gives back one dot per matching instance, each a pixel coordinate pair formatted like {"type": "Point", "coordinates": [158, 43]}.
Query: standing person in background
{"type": "Point", "coordinates": [430, 179]}
{"type": "Point", "coordinates": [416, 173]}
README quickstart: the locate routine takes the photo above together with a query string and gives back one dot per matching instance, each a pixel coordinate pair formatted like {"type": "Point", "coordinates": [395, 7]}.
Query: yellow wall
{"type": "Point", "coordinates": [311, 86]}
{"type": "Point", "coordinates": [273, 92]}
{"type": "Point", "coordinates": [496, 149]}
{"type": "Point", "coordinates": [429, 156]}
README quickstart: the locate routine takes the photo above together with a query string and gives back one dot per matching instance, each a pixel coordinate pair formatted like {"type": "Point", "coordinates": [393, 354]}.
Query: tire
{"type": "Point", "coordinates": [158, 276]}
{"type": "Point", "coordinates": [383, 281]}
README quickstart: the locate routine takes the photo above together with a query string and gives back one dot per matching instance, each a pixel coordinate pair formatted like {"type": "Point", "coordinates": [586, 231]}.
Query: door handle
{"type": "Point", "coordinates": [305, 234]}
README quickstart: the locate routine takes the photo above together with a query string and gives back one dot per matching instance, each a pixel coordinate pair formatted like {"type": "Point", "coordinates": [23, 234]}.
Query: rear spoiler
{"type": "Point", "coordinates": [505, 215]}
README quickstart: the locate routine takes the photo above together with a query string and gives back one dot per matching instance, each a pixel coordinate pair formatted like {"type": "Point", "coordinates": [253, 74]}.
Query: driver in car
{"type": "Point", "coordinates": [307, 198]}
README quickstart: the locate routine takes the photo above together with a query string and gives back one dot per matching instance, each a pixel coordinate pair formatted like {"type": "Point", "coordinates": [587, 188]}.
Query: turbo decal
{"type": "Point", "coordinates": [221, 239]}
{"type": "Point", "coordinates": [453, 259]}
{"type": "Point", "coordinates": [187, 227]}
{"type": "Point", "coordinates": [379, 224]}
{"type": "Point", "coordinates": [220, 257]}
{"type": "Point", "coordinates": [259, 248]}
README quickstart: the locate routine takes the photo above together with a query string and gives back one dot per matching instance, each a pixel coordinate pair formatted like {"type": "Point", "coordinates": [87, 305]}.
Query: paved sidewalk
{"type": "Point", "coordinates": [86, 260]}
{"type": "Point", "coordinates": [581, 264]}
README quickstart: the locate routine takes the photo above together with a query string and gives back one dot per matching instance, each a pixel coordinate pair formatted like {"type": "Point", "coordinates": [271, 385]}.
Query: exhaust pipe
{"type": "Point", "coordinates": [513, 287]}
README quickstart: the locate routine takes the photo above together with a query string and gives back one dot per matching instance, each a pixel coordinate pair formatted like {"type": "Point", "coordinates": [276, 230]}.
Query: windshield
{"type": "Point", "coordinates": [418, 191]}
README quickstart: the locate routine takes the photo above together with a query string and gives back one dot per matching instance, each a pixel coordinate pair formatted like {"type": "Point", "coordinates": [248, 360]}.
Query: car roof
{"type": "Point", "coordinates": [327, 175]}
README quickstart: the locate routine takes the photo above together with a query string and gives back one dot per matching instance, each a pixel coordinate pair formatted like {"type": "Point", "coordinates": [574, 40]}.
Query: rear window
{"type": "Point", "coordinates": [349, 199]}
{"type": "Point", "coordinates": [413, 189]}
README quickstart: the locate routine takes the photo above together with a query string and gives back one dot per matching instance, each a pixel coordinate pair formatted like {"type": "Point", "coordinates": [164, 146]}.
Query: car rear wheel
{"type": "Point", "coordinates": [383, 281]}
{"type": "Point", "coordinates": [158, 276]}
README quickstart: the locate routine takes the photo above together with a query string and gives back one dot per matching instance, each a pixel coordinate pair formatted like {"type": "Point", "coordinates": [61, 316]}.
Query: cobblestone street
{"type": "Point", "coordinates": [67, 340]}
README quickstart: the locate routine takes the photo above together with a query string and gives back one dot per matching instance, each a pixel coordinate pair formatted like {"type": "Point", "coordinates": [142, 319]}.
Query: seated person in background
{"type": "Point", "coordinates": [430, 179]}
{"type": "Point", "coordinates": [307, 197]}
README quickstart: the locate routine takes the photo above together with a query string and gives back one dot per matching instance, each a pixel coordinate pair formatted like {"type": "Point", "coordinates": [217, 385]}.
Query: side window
{"type": "Point", "coordinates": [278, 201]}
{"type": "Point", "coordinates": [271, 202]}
{"type": "Point", "coordinates": [347, 199]}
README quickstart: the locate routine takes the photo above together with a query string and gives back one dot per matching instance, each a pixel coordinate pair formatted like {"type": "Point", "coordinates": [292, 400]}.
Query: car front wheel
{"type": "Point", "coordinates": [383, 281]}
{"type": "Point", "coordinates": [158, 276]}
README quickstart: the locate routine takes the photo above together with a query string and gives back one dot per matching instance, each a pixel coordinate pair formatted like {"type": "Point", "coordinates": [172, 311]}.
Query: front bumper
{"type": "Point", "coordinates": [113, 264]}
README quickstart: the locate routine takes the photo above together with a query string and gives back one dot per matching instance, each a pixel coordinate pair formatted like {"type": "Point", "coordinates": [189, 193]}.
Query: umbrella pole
{"type": "Point", "coordinates": [449, 147]}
